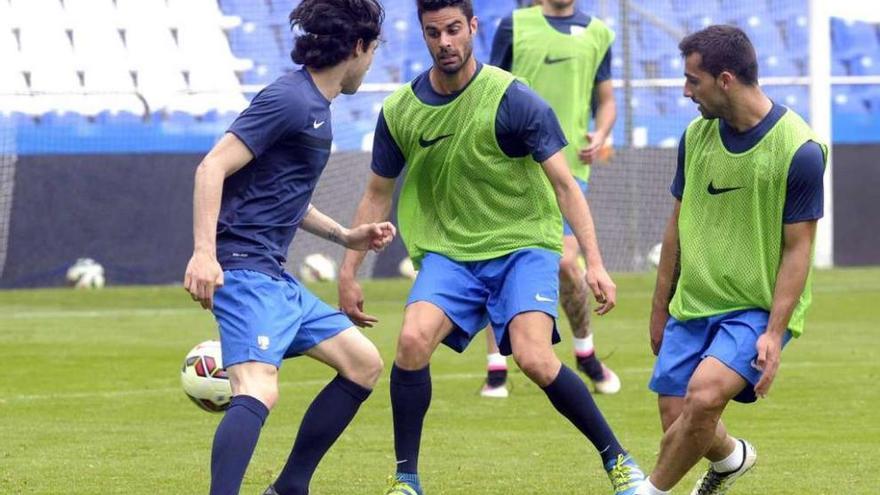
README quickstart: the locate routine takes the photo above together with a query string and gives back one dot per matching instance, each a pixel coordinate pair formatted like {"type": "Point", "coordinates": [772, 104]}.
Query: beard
{"type": "Point", "coordinates": [453, 68]}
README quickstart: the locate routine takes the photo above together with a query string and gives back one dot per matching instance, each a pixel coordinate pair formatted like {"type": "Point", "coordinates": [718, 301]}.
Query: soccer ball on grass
{"type": "Point", "coordinates": [86, 273]}
{"type": "Point", "coordinates": [317, 267]}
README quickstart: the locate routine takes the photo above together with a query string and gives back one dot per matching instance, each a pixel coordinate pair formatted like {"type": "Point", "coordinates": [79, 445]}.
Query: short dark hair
{"type": "Point", "coordinates": [330, 29]}
{"type": "Point", "coordinates": [723, 48]}
{"type": "Point", "coordinates": [466, 6]}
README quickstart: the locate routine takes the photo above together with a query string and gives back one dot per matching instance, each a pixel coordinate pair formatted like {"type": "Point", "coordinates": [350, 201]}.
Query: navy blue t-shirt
{"type": "Point", "coordinates": [524, 124]}
{"type": "Point", "coordinates": [804, 187]}
{"type": "Point", "coordinates": [502, 44]}
{"type": "Point", "coordinates": [287, 128]}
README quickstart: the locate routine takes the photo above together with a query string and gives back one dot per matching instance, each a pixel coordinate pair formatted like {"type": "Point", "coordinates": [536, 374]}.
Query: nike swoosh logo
{"type": "Point", "coordinates": [424, 143]}
{"type": "Point", "coordinates": [550, 61]}
{"type": "Point", "coordinates": [317, 124]}
{"type": "Point", "coordinates": [720, 190]}
{"type": "Point", "coordinates": [540, 298]}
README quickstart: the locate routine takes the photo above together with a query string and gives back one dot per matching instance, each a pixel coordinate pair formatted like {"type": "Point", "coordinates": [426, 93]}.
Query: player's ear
{"type": "Point", "coordinates": [474, 24]}
{"type": "Point", "coordinates": [360, 48]}
{"type": "Point", "coordinates": [725, 79]}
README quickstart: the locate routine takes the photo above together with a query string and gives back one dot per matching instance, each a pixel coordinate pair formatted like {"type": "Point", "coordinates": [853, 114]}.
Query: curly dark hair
{"type": "Point", "coordinates": [466, 6]}
{"type": "Point", "coordinates": [330, 29]}
{"type": "Point", "coordinates": [723, 48]}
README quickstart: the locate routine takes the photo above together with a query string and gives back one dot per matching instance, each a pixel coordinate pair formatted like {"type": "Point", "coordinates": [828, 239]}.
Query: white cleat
{"type": "Point", "coordinates": [714, 483]}
{"type": "Point", "coordinates": [499, 392]}
{"type": "Point", "coordinates": [609, 384]}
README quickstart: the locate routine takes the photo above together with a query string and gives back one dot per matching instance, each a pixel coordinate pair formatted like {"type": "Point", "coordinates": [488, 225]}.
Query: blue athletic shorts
{"type": "Point", "coordinates": [585, 187]}
{"type": "Point", "coordinates": [267, 319]}
{"type": "Point", "coordinates": [728, 337]}
{"type": "Point", "coordinates": [474, 293]}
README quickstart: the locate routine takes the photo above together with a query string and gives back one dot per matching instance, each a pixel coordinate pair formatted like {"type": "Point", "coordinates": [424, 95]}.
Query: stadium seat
{"type": "Point", "coordinates": [161, 86]}
{"type": "Point", "coordinates": [795, 97]}
{"type": "Point", "coordinates": [846, 102]}
{"type": "Point", "coordinates": [111, 88]}
{"type": "Point", "coordinates": [200, 13]}
{"type": "Point", "coordinates": [99, 46]}
{"type": "Point", "coordinates": [94, 14]}
{"type": "Point", "coordinates": [143, 13]}
{"type": "Point", "coordinates": [852, 38]}
{"type": "Point", "coordinates": [206, 45]}
{"type": "Point", "coordinates": [776, 65]}
{"type": "Point", "coordinates": [9, 51]}
{"type": "Point", "coordinates": [15, 96]}
{"type": "Point", "coordinates": [248, 10]}
{"type": "Point", "coordinates": [865, 65]}
{"type": "Point", "coordinates": [797, 35]}
{"type": "Point", "coordinates": [152, 45]}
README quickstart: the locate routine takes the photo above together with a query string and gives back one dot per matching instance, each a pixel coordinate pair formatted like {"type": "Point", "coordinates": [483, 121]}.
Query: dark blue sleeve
{"type": "Point", "coordinates": [604, 71]}
{"type": "Point", "coordinates": [805, 190]}
{"type": "Point", "coordinates": [677, 188]}
{"type": "Point", "coordinates": [269, 117]}
{"type": "Point", "coordinates": [502, 45]}
{"type": "Point", "coordinates": [388, 160]}
{"type": "Point", "coordinates": [525, 124]}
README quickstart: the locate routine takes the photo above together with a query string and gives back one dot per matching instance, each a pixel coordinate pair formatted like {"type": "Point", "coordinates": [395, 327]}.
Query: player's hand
{"type": "Point", "coordinates": [603, 288]}
{"type": "Point", "coordinates": [656, 327]}
{"type": "Point", "coordinates": [203, 276]}
{"type": "Point", "coordinates": [371, 236]}
{"type": "Point", "coordinates": [769, 348]}
{"type": "Point", "coordinates": [351, 302]}
{"type": "Point", "coordinates": [589, 154]}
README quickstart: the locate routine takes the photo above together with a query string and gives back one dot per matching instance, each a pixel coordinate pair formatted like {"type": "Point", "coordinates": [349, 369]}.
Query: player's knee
{"type": "Point", "coordinates": [703, 402]}
{"type": "Point", "coordinates": [413, 349]}
{"type": "Point", "coordinates": [541, 367]}
{"type": "Point", "coordinates": [259, 382]}
{"type": "Point", "coordinates": [570, 270]}
{"type": "Point", "coordinates": [370, 370]}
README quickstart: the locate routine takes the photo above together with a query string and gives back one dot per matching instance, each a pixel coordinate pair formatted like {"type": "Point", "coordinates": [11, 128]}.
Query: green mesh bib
{"type": "Point", "coordinates": [462, 196]}
{"type": "Point", "coordinates": [730, 224]}
{"type": "Point", "coordinates": [561, 68]}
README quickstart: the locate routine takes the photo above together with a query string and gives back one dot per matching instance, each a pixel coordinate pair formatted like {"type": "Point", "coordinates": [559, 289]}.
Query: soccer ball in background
{"type": "Point", "coordinates": [407, 269]}
{"type": "Point", "coordinates": [654, 255]}
{"type": "Point", "coordinates": [86, 273]}
{"type": "Point", "coordinates": [204, 379]}
{"type": "Point", "coordinates": [317, 267]}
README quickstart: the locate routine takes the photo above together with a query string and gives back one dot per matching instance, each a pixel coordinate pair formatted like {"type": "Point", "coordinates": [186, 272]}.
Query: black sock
{"type": "Point", "coordinates": [410, 398]}
{"type": "Point", "coordinates": [326, 418]}
{"type": "Point", "coordinates": [591, 366]}
{"type": "Point", "coordinates": [234, 443]}
{"type": "Point", "coordinates": [496, 378]}
{"type": "Point", "coordinates": [570, 396]}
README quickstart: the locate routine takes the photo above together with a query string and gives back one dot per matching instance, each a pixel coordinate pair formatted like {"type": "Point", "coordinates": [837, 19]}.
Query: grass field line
{"type": "Point", "coordinates": [294, 384]}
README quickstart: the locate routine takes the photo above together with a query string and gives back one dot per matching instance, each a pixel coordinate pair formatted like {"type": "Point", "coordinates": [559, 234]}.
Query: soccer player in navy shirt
{"type": "Point", "coordinates": [475, 142]}
{"type": "Point", "coordinates": [566, 58]}
{"type": "Point", "coordinates": [252, 192]}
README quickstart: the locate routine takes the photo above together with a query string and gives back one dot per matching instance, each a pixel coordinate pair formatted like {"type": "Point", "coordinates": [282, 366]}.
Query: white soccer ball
{"type": "Point", "coordinates": [317, 267]}
{"type": "Point", "coordinates": [654, 255]}
{"type": "Point", "coordinates": [407, 269]}
{"type": "Point", "coordinates": [86, 273]}
{"type": "Point", "coordinates": [204, 378]}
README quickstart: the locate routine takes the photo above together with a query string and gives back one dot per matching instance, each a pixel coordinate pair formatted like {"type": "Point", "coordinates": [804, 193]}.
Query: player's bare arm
{"type": "Point", "coordinates": [606, 114]}
{"type": "Point", "coordinates": [375, 206]}
{"type": "Point", "coordinates": [668, 271]}
{"type": "Point", "coordinates": [575, 209]}
{"type": "Point", "coordinates": [203, 272]}
{"type": "Point", "coordinates": [797, 249]}
{"type": "Point", "coordinates": [364, 237]}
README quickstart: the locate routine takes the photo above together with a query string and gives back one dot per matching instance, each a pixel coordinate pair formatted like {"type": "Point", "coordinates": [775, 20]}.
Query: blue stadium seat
{"type": "Point", "coordinates": [795, 97]}
{"type": "Point", "coordinates": [62, 119]}
{"type": "Point", "coordinates": [118, 118]}
{"type": "Point", "coordinates": [846, 102]}
{"type": "Point", "coordinates": [865, 65]}
{"type": "Point", "coordinates": [782, 10]}
{"type": "Point", "coordinates": [180, 118]}
{"type": "Point", "coordinates": [777, 65]}
{"type": "Point", "coordinates": [249, 10]}
{"type": "Point", "coordinates": [852, 38]}
{"type": "Point", "coordinates": [655, 42]}
{"type": "Point", "coordinates": [797, 34]}
{"type": "Point", "coordinates": [735, 10]}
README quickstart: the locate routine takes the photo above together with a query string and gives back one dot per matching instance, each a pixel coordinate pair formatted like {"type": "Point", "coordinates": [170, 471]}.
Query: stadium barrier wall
{"type": "Point", "coordinates": [133, 213]}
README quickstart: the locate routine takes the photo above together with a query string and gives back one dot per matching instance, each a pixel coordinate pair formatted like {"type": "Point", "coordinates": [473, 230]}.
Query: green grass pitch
{"type": "Point", "coordinates": [90, 402]}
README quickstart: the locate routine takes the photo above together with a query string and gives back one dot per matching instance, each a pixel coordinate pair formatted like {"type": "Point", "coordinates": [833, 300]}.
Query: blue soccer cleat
{"type": "Point", "coordinates": [625, 475]}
